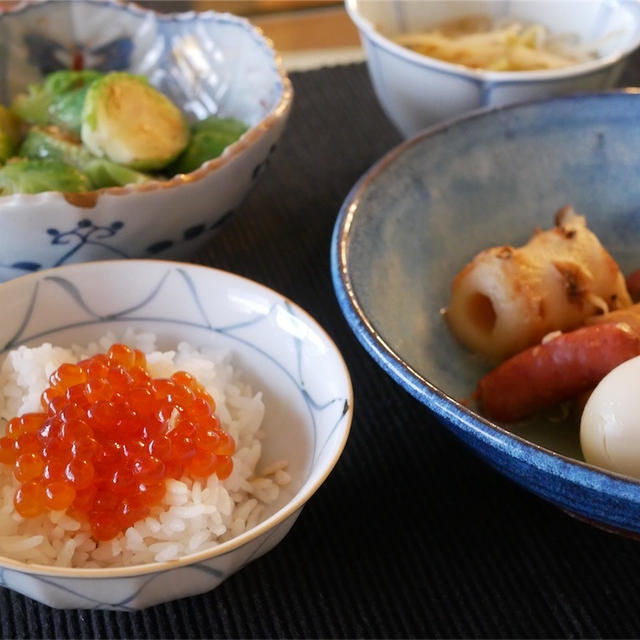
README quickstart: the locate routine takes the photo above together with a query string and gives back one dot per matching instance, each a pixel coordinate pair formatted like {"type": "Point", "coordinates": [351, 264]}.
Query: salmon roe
{"type": "Point", "coordinates": [108, 438]}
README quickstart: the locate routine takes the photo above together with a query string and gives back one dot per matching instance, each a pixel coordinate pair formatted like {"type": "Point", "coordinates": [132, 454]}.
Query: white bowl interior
{"type": "Point", "coordinates": [208, 63]}
{"type": "Point", "coordinates": [607, 27]}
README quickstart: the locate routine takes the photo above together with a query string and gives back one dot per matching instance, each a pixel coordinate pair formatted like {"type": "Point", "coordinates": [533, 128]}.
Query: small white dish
{"type": "Point", "coordinates": [279, 348]}
{"type": "Point", "coordinates": [417, 91]}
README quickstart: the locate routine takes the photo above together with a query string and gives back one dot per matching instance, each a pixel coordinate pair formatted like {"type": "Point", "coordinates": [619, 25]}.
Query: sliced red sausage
{"type": "Point", "coordinates": [542, 376]}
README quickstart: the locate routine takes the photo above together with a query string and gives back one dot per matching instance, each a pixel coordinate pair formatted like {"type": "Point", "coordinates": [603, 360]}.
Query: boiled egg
{"type": "Point", "coordinates": [610, 424]}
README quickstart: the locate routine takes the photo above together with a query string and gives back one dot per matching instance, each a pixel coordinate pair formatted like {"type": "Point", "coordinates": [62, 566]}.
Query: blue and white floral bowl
{"type": "Point", "coordinates": [417, 91]}
{"type": "Point", "coordinates": [278, 347]}
{"type": "Point", "coordinates": [208, 63]}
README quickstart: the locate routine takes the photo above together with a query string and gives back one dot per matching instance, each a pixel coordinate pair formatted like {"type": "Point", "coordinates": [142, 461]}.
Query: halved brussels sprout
{"type": "Point", "coordinates": [131, 123]}
{"type": "Point", "coordinates": [104, 173]}
{"type": "Point", "coordinates": [35, 176]}
{"type": "Point", "coordinates": [209, 138]}
{"type": "Point", "coordinates": [9, 133]}
{"type": "Point", "coordinates": [58, 100]}
{"type": "Point", "coordinates": [51, 143]}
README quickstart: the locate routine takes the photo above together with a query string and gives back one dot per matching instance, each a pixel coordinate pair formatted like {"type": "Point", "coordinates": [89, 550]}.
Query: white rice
{"type": "Point", "coordinates": [195, 515]}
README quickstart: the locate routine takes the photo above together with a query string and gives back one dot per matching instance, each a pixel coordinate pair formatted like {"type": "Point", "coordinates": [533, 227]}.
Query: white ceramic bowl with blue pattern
{"type": "Point", "coordinates": [208, 63]}
{"type": "Point", "coordinates": [279, 348]}
{"type": "Point", "coordinates": [417, 91]}
{"type": "Point", "coordinates": [421, 214]}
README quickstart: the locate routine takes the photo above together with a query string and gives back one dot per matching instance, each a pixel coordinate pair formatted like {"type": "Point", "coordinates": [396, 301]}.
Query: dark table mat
{"type": "Point", "coordinates": [411, 535]}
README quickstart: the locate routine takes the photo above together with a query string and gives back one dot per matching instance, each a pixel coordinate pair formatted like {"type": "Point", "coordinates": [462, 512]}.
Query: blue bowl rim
{"type": "Point", "coordinates": [455, 415]}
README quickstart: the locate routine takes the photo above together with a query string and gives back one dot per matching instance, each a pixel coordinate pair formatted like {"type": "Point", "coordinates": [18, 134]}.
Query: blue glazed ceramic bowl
{"type": "Point", "coordinates": [208, 63]}
{"type": "Point", "coordinates": [280, 350]}
{"type": "Point", "coordinates": [422, 212]}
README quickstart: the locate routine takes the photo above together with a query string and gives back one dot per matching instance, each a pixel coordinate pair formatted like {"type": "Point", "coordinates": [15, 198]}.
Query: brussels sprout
{"type": "Point", "coordinates": [66, 110]}
{"type": "Point", "coordinates": [34, 106]}
{"type": "Point", "coordinates": [9, 133]}
{"type": "Point", "coordinates": [104, 173]}
{"type": "Point", "coordinates": [52, 144]}
{"type": "Point", "coordinates": [131, 123]}
{"type": "Point", "coordinates": [228, 126]}
{"type": "Point", "coordinates": [209, 138]}
{"type": "Point", "coordinates": [58, 100]}
{"type": "Point", "coordinates": [34, 176]}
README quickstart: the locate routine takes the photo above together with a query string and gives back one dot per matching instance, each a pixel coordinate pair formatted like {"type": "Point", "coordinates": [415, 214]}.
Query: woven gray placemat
{"type": "Point", "coordinates": [411, 535]}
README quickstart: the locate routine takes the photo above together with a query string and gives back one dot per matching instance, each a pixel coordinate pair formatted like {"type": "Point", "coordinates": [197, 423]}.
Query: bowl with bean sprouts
{"type": "Point", "coordinates": [429, 61]}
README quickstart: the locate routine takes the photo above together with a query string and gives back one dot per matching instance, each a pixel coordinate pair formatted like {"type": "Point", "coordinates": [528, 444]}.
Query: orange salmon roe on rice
{"type": "Point", "coordinates": [108, 438]}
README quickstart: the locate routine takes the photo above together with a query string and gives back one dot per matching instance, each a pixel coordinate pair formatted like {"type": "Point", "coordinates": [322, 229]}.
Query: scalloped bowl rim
{"type": "Point", "coordinates": [250, 137]}
{"type": "Point", "coordinates": [294, 504]}
{"type": "Point", "coordinates": [483, 75]}
{"type": "Point", "coordinates": [446, 407]}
